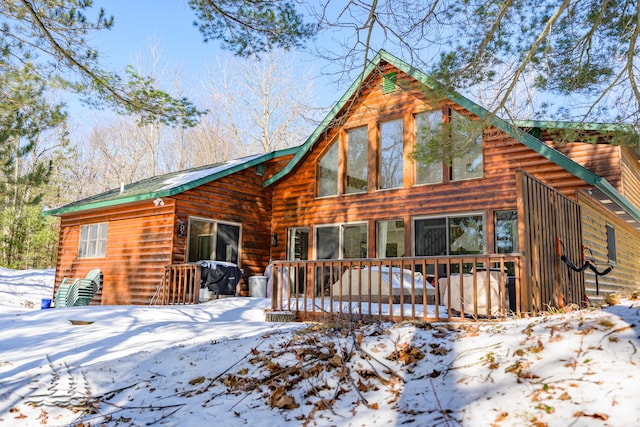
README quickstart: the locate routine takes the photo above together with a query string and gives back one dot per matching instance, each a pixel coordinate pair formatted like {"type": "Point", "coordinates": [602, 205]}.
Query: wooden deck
{"type": "Point", "coordinates": [425, 288]}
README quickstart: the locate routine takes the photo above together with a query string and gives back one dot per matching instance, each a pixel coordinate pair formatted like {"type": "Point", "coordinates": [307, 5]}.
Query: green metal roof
{"type": "Point", "coordinates": [169, 184]}
{"type": "Point", "coordinates": [510, 128]}
{"type": "Point", "coordinates": [590, 126]}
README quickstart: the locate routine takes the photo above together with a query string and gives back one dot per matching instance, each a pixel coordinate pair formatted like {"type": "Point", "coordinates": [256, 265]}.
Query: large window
{"type": "Point", "coordinates": [428, 128]}
{"type": "Point", "coordinates": [447, 150]}
{"type": "Point", "coordinates": [390, 239]}
{"type": "Point", "coordinates": [466, 235]}
{"type": "Point", "coordinates": [467, 148]}
{"type": "Point", "coordinates": [430, 237]}
{"type": "Point", "coordinates": [93, 241]}
{"type": "Point", "coordinates": [213, 240]}
{"type": "Point", "coordinates": [341, 241]}
{"type": "Point", "coordinates": [391, 155]}
{"type": "Point", "coordinates": [357, 160]}
{"type": "Point", "coordinates": [328, 172]}
{"type": "Point", "coordinates": [449, 235]}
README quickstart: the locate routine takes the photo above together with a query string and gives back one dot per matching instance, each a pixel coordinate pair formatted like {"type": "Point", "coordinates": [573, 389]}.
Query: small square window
{"type": "Point", "coordinates": [93, 241]}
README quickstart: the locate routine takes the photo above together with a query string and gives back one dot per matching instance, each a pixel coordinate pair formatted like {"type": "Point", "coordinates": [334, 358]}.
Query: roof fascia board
{"type": "Point", "coordinates": [610, 191]}
{"type": "Point", "coordinates": [104, 203]}
{"type": "Point", "coordinates": [172, 191]}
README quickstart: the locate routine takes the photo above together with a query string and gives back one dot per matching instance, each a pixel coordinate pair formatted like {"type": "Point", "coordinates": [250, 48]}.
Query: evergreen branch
{"type": "Point", "coordinates": [70, 59]}
{"type": "Point", "coordinates": [530, 54]}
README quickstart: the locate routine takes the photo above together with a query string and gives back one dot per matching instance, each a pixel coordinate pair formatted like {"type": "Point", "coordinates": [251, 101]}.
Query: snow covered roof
{"type": "Point", "coordinates": [169, 184]}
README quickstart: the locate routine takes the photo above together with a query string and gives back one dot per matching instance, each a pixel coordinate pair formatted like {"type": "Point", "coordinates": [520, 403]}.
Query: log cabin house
{"type": "Point", "coordinates": [504, 217]}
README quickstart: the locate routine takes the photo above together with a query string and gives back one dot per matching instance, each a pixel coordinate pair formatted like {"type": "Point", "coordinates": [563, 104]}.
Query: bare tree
{"type": "Point", "coordinates": [580, 52]}
{"type": "Point", "coordinates": [265, 103]}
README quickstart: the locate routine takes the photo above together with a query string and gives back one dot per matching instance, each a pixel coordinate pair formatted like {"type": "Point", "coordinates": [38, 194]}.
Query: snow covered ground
{"type": "Point", "coordinates": [220, 363]}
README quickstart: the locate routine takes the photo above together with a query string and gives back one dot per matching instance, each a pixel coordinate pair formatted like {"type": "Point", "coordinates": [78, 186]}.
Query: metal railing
{"type": "Point", "coordinates": [397, 289]}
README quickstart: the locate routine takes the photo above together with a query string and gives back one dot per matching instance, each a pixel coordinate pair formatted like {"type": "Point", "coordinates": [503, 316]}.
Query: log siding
{"type": "Point", "coordinates": [624, 276]}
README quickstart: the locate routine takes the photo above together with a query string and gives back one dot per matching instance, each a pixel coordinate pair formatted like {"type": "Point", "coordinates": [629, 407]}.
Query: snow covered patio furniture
{"type": "Point", "coordinates": [479, 294]}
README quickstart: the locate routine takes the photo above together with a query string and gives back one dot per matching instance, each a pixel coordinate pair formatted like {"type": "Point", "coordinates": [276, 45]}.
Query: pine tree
{"type": "Point", "coordinates": [25, 117]}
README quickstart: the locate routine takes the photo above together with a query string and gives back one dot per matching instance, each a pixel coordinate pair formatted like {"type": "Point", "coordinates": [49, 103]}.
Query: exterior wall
{"type": "Point", "coordinates": [601, 158]}
{"type": "Point", "coordinates": [139, 242]}
{"type": "Point", "coordinates": [238, 198]}
{"type": "Point", "coordinates": [624, 276]}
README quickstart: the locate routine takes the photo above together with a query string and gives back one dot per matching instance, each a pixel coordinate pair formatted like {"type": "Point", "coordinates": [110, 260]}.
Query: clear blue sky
{"type": "Point", "coordinates": [170, 24]}
{"type": "Point", "coordinates": [167, 21]}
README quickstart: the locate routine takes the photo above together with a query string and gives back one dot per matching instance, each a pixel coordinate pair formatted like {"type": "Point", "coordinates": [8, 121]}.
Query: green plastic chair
{"type": "Point", "coordinates": [87, 288]}
{"type": "Point", "coordinates": [77, 292]}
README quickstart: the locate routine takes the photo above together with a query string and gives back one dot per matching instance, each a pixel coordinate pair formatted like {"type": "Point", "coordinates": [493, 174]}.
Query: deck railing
{"type": "Point", "coordinates": [180, 284]}
{"type": "Point", "coordinates": [421, 288]}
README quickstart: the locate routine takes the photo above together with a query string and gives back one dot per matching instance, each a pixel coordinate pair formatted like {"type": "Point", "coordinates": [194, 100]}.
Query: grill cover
{"type": "Point", "coordinates": [219, 277]}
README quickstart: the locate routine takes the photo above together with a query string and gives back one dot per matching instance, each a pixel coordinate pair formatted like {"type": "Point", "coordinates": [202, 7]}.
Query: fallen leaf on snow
{"type": "Point", "coordinates": [281, 400]}
{"type": "Point", "coordinates": [596, 416]}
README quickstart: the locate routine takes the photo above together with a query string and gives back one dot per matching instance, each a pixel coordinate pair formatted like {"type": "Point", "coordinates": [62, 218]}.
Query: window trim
{"type": "Point", "coordinates": [98, 238]}
{"type": "Point", "coordinates": [216, 222]}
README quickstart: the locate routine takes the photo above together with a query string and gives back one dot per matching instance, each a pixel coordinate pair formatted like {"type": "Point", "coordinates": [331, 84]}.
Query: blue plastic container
{"type": "Point", "coordinates": [46, 303]}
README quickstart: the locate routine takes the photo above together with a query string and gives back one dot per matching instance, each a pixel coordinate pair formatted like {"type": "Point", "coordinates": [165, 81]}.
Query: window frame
{"type": "Point", "coordinates": [393, 148]}
{"type": "Point", "coordinates": [214, 243]}
{"type": "Point", "coordinates": [612, 256]}
{"type": "Point", "coordinates": [292, 232]}
{"type": "Point", "coordinates": [334, 145]}
{"type": "Point", "coordinates": [340, 242]}
{"type": "Point", "coordinates": [479, 138]}
{"type": "Point", "coordinates": [347, 188]}
{"type": "Point", "coordinates": [99, 240]}
{"type": "Point", "coordinates": [448, 231]}
{"type": "Point", "coordinates": [515, 237]}
{"type": "Point", "coordinates": [448, 165]}
{"type": "Point", "coordinates": [436, 165]}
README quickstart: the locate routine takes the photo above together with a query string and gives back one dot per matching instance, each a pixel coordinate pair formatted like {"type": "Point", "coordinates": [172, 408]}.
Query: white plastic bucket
{"type": "Point", "coordinates": [258, 286]}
